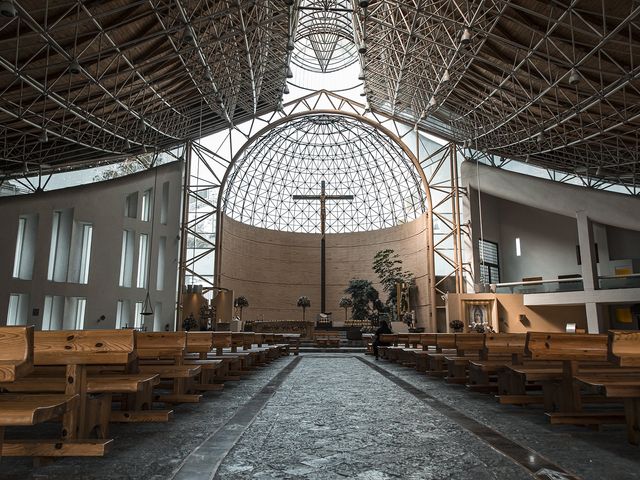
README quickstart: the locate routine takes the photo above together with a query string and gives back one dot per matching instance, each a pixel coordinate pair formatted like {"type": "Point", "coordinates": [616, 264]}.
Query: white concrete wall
{"type": "Point", "coordinates": [542, 214]}
{"type": "Point", "coordinates": [103, 205]}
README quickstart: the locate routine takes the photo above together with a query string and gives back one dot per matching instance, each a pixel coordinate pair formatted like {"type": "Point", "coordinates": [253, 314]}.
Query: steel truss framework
{"type": "Point", "coordinates": [207, 170]}
{"type": "Point", "coordinates": [352, 157]}
{"type": "Point", "coordinates": [86, 81]}
{"type": "Point", "coordinates": [553, 83]}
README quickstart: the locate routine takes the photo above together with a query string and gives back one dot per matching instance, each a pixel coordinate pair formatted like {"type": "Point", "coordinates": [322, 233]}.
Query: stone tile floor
{"type": "Point", "coordinates": [335, 417]}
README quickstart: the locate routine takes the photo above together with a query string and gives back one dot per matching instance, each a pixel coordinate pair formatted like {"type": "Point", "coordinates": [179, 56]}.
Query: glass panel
{"type": "Point", "coordinates": [143, 254]}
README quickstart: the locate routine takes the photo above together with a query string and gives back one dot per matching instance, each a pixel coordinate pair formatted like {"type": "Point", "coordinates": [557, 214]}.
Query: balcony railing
{"type": "Point", "coordinates": [605, 282]}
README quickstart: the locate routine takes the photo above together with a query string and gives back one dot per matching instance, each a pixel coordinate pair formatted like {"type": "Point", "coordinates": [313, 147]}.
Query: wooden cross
{"type": "Point", "coordinates": [323, 197]}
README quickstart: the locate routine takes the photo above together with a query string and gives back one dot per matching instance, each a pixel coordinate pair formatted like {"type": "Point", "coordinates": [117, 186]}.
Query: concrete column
{"type": "Point", "coordinates": [587, 252]}
{"type": "Point", "coordinates": [589, 269]}
{"type": "Point", "coordinates": [594, 312]}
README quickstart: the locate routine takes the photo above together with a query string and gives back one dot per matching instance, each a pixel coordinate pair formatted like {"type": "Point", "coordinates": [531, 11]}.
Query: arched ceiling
{"type": "Point", "coordinates": [555, 83]}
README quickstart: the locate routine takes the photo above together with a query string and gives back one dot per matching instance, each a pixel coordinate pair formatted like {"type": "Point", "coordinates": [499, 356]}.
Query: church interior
{"type": "Point", "coordinates": [320, 239]}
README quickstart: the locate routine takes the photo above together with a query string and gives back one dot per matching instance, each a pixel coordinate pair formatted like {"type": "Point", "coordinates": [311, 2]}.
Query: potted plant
{"type": "Point", "coordinates": [363, 295]}
{"type": "Point", "coordinates": [304, 303]}
{"type": "Point", "coordinates": [456, 325]}
{"type": "Point", "coordinates": [240, 303]}
{"type": "Point", "coordinates": [346, 303]}
{"type": "Point", "coordinates": [388, 266]}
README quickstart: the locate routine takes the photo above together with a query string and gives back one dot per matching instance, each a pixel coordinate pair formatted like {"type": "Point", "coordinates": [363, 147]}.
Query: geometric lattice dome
{"type": "Point", "coordinates": [350, 156]}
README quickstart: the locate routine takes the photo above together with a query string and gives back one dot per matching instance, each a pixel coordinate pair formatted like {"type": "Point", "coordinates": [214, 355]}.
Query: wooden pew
{"type": "Point", "coordinates": [328, 338]}
{"type": "Point", "coordinates": [445, 346]}
{"type": "Point", "coordinates": [292, 339]}
{"type": "Point", "coordinates": [500, 350]}
{"type": "Point", "coordinates": [16, 360]}
{"type": "Point", "coordinates": [162, 353]}
{"type": "Point", "coordinates": [623, 350]}
{"type": "Point", "coordinates": [75, 352]}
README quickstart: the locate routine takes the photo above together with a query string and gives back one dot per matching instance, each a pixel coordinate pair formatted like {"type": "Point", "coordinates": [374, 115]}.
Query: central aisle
{"type": "Point", "coordinates": [336, 417]}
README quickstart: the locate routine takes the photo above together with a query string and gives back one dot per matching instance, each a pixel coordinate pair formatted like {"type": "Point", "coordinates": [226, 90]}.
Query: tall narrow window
{"type": "Point", "coordinates": [53, 248]}
{"type": "Point", "coordinates": [164, 206]}
{"type": "Point", "coordinates": [157, 318]}
{"type": "Point", "coordinates": [53, 312]}
{"type": "Point", "coordinates": [122, 314]}
{"type": "Point", "coordinates": [81, 304]}
{"type": "Point", "coordinates": [131, 205]}
{"type": "Point", "coordinates": [162, 251]}
{"type": "Point", "coordinates": [146, 202]}
{"type": "Point", "coordinates": [61, 230]}
{"type": "Point", "coordinates": [518, 251]}
{"type": "Point", "coordinates": [126, 258]}
{"type": "Point", "coordinates": [85, 252]}
{"type": "Point", "coordinates": [489, 262]}
{"type": "Point", "coordinates": [18, 309]}
{"type": "Point", "coordinates": [143, 261]}
{"type": "Point", "coordinates": [25, 247]}
{"type": "Point", "coordinates": [137, 321]}
{"type": "Point", "coordinates": [17, 261]}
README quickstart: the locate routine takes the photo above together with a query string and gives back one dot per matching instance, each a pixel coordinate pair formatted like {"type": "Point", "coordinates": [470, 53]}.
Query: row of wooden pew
{"type": "Point", "coordinates": [576, 377]}
{"type": "Point", "coordinates": [87, 379]}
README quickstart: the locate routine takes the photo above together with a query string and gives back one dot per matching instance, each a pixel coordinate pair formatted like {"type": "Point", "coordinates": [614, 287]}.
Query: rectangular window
{"type": "Point", "coordinates": [162, 251]}
{"type": "Point", "coordinates": [489, 262]}
{"type": "Point", "coordinates": [81, 304]}
{"type": "Point", "coordinates": [85, 252]}
{"type": "Point", "coordinates": [164, 206]}
{"type": "Point", "coordinates": [53, 312]}
{"type": "Point", "coordinates": [157, 318]}
{"type": "Point", "coordinates": [18, 309]}
{"type": "Point", "coordinates": [137, 321]}
{"type": "Point", "coordinates": [131, 205]}
{"type": "Point", "coordinates": [61, 229]}
{"type": "Point", "coordinates": [53, 248]}
{"type": "Point", "coordinates": [518, 251]}
{"type": "Point", "coordinates": [143, 261]}
{"type": "Point", "coordinates": [146, 202]}
{"type": "Point", "coordinates": [122, 314]}
{"type": "Point", "coordinates": [25, 247]}
{"type": "Point", "coordinates": [126, 258]}
{"type": "Point", "coordinates": [17, 261]}
{"type": "Point", "coordinates": [74, 311]}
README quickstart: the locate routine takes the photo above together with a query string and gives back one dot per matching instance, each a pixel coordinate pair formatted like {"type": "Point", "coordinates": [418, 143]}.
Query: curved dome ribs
{"type": "Point", "coordinates": [107, 79]}
{"type": "Point", "coordinates": [352, 157]}
{"type": "Point", "coordinates": [556, 83]}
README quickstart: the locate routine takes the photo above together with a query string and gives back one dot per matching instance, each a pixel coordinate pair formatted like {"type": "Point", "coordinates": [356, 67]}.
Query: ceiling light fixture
{"type": "Point", "coordinates": [8, 9]}
{"type": "Point", "coordinates": [362, 48]}
{"type": "Point", "coordinates": [361, 74]}
{"type": "Point", "coordinates": [289, 72]}
{"type": "Point", "coordinates": [574, 76]}
{"type": "Point", "coordinates": [286, 89]}
{"type": "Point", "coordinates": [188, 37]}
{"type": "Point", "coordinates": [445, 76]}
{"type": "Point", "coordinates": [142, 126]}
{"type": "Point", "coordinates": [207, 76]}
{"type": "Point", "coordinates": [127, 144]}
{"type": "Point", "coordinates": [466, 37]}
{"type": "Point", "coordinates": [74, 68]}
{"type": "Point", "coordinates": [364, 3]}
{"type": "Point", "coordinates": [433, 102]}
{"type": "Point", "coordinates": [44, 137]}
{"type": "Point", "coordinates": [290, 45]}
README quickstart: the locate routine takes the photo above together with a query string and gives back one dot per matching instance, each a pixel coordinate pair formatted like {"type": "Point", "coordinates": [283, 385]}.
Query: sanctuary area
{"type": "Point", "coordinates": [319, 239]}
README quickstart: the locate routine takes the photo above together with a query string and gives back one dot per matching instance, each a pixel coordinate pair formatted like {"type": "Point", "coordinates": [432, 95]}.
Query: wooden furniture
{"type": "Point", "coordinates": [16, 360]}
{"type": "Point", "coordinates": [623, 349]}
{"type": "Point", "coordinates": [163, 354]}
{"type": "Point", "coordinates": [326, 338]}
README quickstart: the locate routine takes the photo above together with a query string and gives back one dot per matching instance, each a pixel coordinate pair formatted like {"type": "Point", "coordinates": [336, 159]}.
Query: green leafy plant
{"type": "Point", "coordinates": [304, 303]}
{"type": "Point", "coordinates": [388, 266]}
{"type": "Point", "coordinates": [363, 296]}
{"type": "Point", "coordinates": [240, 303]}
{"type": "Point", "coordinates": [346, 303]}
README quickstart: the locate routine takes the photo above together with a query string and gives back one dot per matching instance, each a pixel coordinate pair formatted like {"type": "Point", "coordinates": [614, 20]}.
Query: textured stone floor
{"type": "Point", "coordinates": [335, 417]}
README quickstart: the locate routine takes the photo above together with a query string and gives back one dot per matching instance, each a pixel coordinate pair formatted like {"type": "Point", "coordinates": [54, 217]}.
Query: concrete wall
{"type": "Point", "coordinates": [542, 214]}
{"type": "Point", "coordinates": [272, 269]}
{"type": "Point", "coordinates": [102, 205]}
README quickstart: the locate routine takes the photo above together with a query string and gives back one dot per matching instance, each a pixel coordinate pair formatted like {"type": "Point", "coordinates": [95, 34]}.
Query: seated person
{"type": "Point", "coordinates": [384, 328]}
